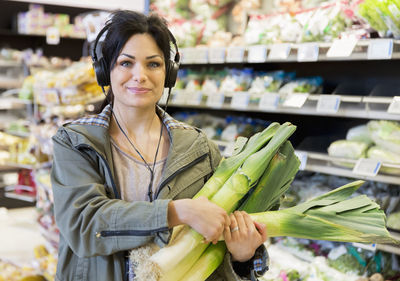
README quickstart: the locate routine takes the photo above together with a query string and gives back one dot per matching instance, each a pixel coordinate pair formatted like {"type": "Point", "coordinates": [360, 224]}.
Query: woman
{"type": "Point", "coordinates": [123, 178]}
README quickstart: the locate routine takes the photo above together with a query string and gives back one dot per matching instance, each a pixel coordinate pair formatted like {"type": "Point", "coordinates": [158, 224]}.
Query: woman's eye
{"type": "Point", "coordinates": [154, 64]}
{"type": "Point", "coordinates": [125, 63]}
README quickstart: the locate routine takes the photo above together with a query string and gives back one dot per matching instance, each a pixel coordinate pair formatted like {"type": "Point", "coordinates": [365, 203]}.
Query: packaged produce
{"type": "Point", "coordinates": [393, 221]}
{"type": "Point", "coordinates": [359, 133]}
{"type": "Point", "coordinates": [347, 149]}
{"type": "Point", "coordinates": [385, 134]}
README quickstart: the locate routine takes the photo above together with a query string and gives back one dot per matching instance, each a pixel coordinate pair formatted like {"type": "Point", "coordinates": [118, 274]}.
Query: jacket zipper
{"type": "Point", "coordinates": [194, 162]}
{"type": "Point", "coordinates": [116, 193]}
{"type": "Point", "coordinates": [108, 233]}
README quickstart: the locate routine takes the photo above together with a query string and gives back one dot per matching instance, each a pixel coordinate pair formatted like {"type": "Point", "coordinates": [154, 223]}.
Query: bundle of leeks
{"type": "Point", "coordinates": [254, 179]}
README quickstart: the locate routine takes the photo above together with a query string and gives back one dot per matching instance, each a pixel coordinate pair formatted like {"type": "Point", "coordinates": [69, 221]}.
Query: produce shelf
{"type": "Point", "coordinates": [323, 163]}
{"type": "Point", "coordinates": [204, 55]}
{"type": "Point", "coordinates": [351, 106]}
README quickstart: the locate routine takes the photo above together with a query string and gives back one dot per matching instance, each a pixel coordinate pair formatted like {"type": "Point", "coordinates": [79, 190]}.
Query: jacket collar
{"type": "Point", "coordinates": [187, 143]}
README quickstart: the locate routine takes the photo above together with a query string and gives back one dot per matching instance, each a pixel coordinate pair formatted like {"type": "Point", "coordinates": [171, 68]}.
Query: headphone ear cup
{"type": "Point", "coordinates": [102, 73]}
{"type": "Point", "coordinates": [171, 75]}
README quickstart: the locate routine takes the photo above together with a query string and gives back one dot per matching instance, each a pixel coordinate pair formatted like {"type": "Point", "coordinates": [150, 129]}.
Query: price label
{"type": "Point", "coordinates": [328, 104]}
{"type": "Point", "coordinates": [296, 100]}
{"type": "Point", "coordinates": [164, 97]}
{"type": "Point", "coordinates": [200, 55]}
{"type": "Point", "coordinates": [235, 54]}
{"type": "Point", "coordinates": [342, 47]}
{"type": "Point", "coordinates": [194, 98]}
{"type": "Point", "coordinates": [367, 167]}
{"type": "Point", "coordinates": [307, 52]}
{"type": "Point", "coordinates": [303, 156]}
{"type": "Point", "coordinates": [257, 53]}
{"type": "Point", "coordinates": [216, 100]}
{"type": "Point", "coordinates": [279, 52]}
{"type": "Point", "coordinates": [369, 247]}
{"type": "Point", "coordinates": [228, 151]}
{"type": "Point", "coordinates": [394, 107]}
{"type": "Point", "coordinates": [216, 55]}
{"type": "Point", "coordinates": [380, 49]}
{"type": "Point", "coordinates": [52, 36]}
{"type": "Point", "coordinates": [240, 100]}
{"type": "Point", "coordinates": [179, 97]}
{"type": "Point", "coordinates": [269, 101]}
{"type": "Point", "coordinates": [6, 104]}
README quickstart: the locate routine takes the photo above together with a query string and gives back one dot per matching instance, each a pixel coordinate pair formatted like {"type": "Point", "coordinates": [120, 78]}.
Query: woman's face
{"type": "Point", "coordinates": [137, 79]}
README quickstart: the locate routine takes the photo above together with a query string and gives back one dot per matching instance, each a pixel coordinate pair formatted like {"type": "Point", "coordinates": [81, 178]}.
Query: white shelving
{"type": "Point", "coordinates": [350, 106]}
{"type": "Point", "coordinates": [291, 52]}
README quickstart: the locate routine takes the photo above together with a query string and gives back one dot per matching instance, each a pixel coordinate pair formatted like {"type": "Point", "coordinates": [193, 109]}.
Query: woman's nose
{"type": "Point", "coordinates": [139, 73]}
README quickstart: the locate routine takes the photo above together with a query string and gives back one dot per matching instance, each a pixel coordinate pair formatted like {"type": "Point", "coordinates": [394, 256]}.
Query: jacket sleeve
{"type": "Point", "coordinates": [91, 222]}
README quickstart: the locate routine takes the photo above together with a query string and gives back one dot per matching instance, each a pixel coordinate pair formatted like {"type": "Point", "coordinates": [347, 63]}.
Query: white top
{"type": "Point", "coordinates": [132, 175]}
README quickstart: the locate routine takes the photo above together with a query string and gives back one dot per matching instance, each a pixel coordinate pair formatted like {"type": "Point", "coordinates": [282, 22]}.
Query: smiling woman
{"type": "Point", "coordinates": [137, 78]}
{"type": "Point", "coordinates": [124, 178]}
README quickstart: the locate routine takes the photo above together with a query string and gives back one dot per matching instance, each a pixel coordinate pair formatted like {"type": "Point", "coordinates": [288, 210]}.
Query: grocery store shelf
{"type": "Point", "coordinates": [7, 167]}
{"type": "Point", "coordinates": [9, 63]}
{"type": "Point", "coordinates": [323, 163]}
{"type": "Point", "coordinates": [388, 247]}
{"type": "Point", "coordinates": [13, 103]}
{"type": "Point", "coordinates": [137, 5]}
{"type": "Point", "coordinates": [9, 83]}
{"type": "Point", "coordinates": [350, 106]}
{"type": "Point", "coordinates": [23, 197]}
{"type": "Point", "coordinates": [203, 55]}
{"type": "Point", "coordinates": [16, 34]}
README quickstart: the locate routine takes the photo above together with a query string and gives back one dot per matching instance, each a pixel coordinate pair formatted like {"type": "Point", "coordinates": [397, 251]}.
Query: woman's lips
{"type": "Point", "coordinates": [138, 90]}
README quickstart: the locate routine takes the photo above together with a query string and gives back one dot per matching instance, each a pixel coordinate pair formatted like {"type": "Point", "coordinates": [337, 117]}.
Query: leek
{"type": "Point", "coordinates": [332, 216]}
{"type": "Point", "coordinates": [228, 166]}
{"type": "Point", "coordinates": [226, 197]}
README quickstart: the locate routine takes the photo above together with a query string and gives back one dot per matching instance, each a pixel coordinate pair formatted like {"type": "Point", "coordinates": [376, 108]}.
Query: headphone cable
{"type": "Point", "coordinates": [150, 188]}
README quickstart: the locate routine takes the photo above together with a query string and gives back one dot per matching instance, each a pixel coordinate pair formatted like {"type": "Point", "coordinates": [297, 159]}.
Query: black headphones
{"type": "Point", "coordinates": [103, 73]}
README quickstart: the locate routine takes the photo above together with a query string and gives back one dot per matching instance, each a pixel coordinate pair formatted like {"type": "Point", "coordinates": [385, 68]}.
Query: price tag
{"type": "Point", "coordinates": [369, 247]}
{"type": "Point", "coordinates": [269, 101]}
{"type": "Point", "coordinates": [307, 52]}
{"type": "Point", "coordinates": [240, 100]}
{"type": "Point", "coordinates": [179, 97]}
{"type": "Point", "coordinates": [228, 151]}
{"type": "Point", "coordinates": [257, 53]}
{"type": "Point", "coordinates": [163, 99]}
{"type": "Point", "coordinates": [52, 36]}
{"type": "Point", "coordinates": [328, 104]}
{"type": "Point", "coordinates": [216, 100]}
{"type": "Point", "coordinates": [279, 52]}
{"type": "Point", "coordinates": [216, 55]}
{"type": "Point", "coordinates": [394, 107]}
{"type": "Point", "coordinates": [200, 55]}
{"type": "Point", "coordinates": [184, 55]}
{"type": "Point", "coordinates": [235, 54]}
{"type": "Point", "coordinates": [296, 100]}
{"type": "Point", "coordinates": [6, 104]}
{"type": "Point", "coordinates": [367, 167]}
{"type": "Point", "coordinates": [380, 49]}
{"type": "Point", "coordinates": [342, 47]}
{"type": "Point", "coordinates": [303, 156]}
{"type": "Point", "coordinates": [194, 98]}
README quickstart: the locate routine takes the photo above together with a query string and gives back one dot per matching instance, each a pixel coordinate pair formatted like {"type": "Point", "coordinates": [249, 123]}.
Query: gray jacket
{"type": "Point", "coordinates": [97, 228]}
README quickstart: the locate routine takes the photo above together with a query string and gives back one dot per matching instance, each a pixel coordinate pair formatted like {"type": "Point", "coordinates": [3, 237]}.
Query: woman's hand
{"type": "Point", "coordinates": [202, 215]}
{"type": "Point", "coordinates": [244, 236]}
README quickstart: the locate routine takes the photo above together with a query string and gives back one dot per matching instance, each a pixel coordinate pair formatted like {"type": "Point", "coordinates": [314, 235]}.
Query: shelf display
{"type": "Point", "coordinates": [36, 21]}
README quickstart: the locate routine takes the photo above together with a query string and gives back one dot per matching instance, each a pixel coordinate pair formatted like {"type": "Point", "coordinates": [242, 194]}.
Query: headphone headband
{"type": "Point", "coordinates": [102, 69]}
